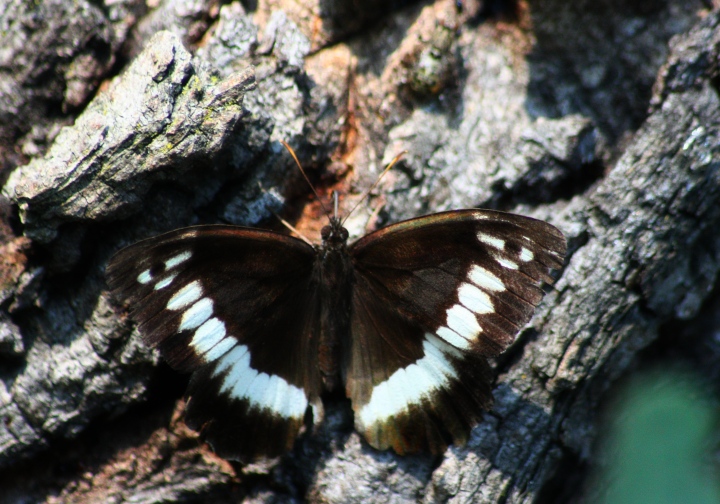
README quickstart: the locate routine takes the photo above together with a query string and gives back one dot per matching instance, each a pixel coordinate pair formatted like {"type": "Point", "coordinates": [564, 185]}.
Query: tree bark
{"type": "Point", "coordinates": [602, 118]}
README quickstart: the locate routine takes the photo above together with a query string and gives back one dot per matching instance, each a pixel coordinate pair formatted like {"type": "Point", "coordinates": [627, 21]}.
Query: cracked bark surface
{"type": "Point", "coordinates": [588, 115]}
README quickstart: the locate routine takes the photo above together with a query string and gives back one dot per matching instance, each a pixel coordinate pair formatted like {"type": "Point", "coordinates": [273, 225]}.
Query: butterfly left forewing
{"type": "Point", "coordinates": [434, 297]}
{"type": "Point", "coordinates": [235, 306]}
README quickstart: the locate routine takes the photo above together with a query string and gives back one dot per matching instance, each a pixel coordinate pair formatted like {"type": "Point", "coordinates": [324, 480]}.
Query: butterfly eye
{"type": "Point", "coordinates": [325, 232]}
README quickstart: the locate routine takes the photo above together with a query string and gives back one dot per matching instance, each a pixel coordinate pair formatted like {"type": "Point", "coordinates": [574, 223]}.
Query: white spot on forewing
{"type": "Point", "coordinates": [208, 335]}
{"type": "Point", "coordinates": [145, 277]}
{"type": "Point", "coordinates": [196, 315]}
{"type": "Point", "coordinates": [463, 321]}
{"type": "Point", "coordinates": [185, 296]}
{"type": "Point", "coordinates": [474, 299]}
{"type": "Point", "coordinates": [506, 263]}
{"type": "Point", "coordinates": [261, 390]}
{"type": "Point", "coordinates": [409, 385]}
{"type": "Point", "coordinates": [452, 337]}
{"type": "Point", "coordinates": [485, 279]}
{"type": "Point", "coordinates": [178, 259]}
{"type": "Point", "coordinates": [165, 282]}
{"type": "Point", "coordinates": [526, 255]}
{"type": "Point", "coordinates": [491, 240]}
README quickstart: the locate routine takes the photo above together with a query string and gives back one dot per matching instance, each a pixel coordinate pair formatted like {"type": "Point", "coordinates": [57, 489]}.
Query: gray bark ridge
{"type": "Point", "coordinates": [164, 111]}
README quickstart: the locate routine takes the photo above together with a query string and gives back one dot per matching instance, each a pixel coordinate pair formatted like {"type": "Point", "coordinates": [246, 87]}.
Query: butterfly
{"type": "Point", "coordinates": [402, 321]}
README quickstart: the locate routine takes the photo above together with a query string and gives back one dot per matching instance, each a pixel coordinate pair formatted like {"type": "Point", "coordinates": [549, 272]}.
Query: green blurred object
{"type": "Point", "coordinates": [659, 442]}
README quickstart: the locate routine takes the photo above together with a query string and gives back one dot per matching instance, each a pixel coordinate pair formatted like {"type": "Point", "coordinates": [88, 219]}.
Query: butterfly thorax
{"type": "Point", "coordinates": [333, 272]}
{"type": "Point", "coordinates": [334, 236]}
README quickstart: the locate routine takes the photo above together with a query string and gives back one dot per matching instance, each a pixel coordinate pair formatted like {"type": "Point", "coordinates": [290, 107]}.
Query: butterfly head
{"type": "Point", "coordinates": [334, 235]}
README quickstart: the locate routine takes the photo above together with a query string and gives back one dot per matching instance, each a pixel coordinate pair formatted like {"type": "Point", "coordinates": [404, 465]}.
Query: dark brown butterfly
{"type": "Point", "coordinates": [402, 320]}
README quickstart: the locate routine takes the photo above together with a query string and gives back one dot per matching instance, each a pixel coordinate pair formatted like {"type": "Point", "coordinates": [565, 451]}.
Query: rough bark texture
{"type": "Point", "coordinates": [601, 117]}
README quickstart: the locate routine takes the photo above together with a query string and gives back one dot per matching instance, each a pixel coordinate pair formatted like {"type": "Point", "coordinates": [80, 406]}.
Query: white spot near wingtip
{"type": "Point", "coordinates": [491, 240]}
{"type": "Point", "coordinates": [145, 277]}
{"type": "Point", "coordinates": [178, 259]}
{"type": "Point", "coordinates": [165, 282]}
{"type": "Point", "coordinates": [506, 263]}
{"type": "Point", "coordinates": [526, 255]}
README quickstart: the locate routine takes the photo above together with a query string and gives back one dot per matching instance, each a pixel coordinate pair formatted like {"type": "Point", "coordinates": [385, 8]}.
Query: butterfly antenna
{"type": "Point", "coordinates": [292, 228]}
{"type": "Point", "coordinates": [284, 222]}
{"type": "Point", "coordinates": [297, 162]}
{"type": "Point", "coordinates": [368, 191]}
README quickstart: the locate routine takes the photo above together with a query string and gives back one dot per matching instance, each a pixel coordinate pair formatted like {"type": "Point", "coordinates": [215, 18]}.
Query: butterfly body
{"type": "Point", "coordinates": [334, 273]}
{"type": "Point", "coordinates": [402, 321]}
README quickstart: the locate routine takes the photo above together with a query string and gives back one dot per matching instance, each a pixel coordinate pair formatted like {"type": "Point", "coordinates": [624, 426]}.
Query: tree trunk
{"type": "Point", "coordinates": [602, 118]}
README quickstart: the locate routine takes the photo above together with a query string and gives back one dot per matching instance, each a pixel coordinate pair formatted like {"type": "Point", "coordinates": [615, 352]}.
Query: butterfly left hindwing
{"type": "Point", "coordinates": [235, 306]}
